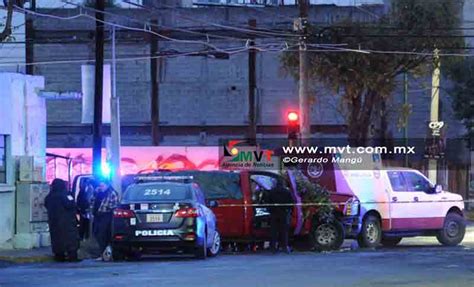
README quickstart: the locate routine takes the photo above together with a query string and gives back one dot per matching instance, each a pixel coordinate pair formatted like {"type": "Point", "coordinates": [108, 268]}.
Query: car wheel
{"type": "Point", "coordinates": [371, 233]}
{"type": "Point", "coordinates": [117, 254]}
{"type": "Point", "coordinates": [328, 236]}
{"type": "Point", "coordinates": [216, 245]}
{"type": "Point", "coordinates": [390, 241]}
{"type": "Point", "coordinates": [201, 251]}
{"type": "Point", "coordinates": [453, 230]}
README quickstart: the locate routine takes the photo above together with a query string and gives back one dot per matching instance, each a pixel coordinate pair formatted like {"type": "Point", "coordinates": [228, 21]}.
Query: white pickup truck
{"type": "Point", "coordinates": [401, 202]}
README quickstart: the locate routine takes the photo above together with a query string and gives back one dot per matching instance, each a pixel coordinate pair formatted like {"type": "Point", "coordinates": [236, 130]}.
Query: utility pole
{"type": "Point", "coordinates": [434, 115]}
{"type": "Point", "coordinates": [115, 123]}
{"type": "Point", "coordinates": [155, 89]}
{"type": "Point", "coordinates": [29, 36]}
{"type": "Point", "coordinates": [98, 88]}
{"type": "Point", "coordinates": [252, 133]}
{"type": "Point", "coordinates": [304, 108]}
{"type": "Point", "coordinates": [405, 103]}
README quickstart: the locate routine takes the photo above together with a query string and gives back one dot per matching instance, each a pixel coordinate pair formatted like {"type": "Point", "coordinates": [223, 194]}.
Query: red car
{"type": "Point", "coordinates": [241, 218]}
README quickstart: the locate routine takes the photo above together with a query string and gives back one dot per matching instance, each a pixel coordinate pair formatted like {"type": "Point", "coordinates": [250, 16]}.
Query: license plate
{"type": "Point", "coordinates": [154, 218]}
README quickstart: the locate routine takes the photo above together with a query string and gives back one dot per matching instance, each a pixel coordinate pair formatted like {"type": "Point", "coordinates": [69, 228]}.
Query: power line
{"type": "Point", "coordinates": [146, 29]}
{"type": "Point", "coordinates": [209, 35]}
{"type": "Point", "coordinates": [246, 30]}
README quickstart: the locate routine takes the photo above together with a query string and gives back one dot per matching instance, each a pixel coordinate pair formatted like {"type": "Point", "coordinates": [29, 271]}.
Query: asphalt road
{"type": "Point", "coordinates": [416, 262]}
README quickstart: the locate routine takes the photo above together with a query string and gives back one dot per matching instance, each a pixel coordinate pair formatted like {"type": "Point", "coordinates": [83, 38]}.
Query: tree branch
{"type": "Point", "coordinates": [7, 31]}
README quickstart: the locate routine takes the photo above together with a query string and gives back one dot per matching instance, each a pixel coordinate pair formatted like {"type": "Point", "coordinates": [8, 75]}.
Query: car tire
{"type": "Point", "coordinates": [454, 229]}
{"type": "Point", "coordinates": [327, 236]}
{"type": "Point", "coordinates": [118, 254]}
{"type": "Point", "coordinates": [390, 241]}
{"type": "Point", "coordinates": [201, 251]}
{"type": "Point", "coordinates": [214, 250]}
{"type": "Point", "coordinates": [371, 233]}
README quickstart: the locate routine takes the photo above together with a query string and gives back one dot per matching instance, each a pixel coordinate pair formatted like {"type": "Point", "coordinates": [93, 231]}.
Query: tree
{"type": "Point", "coordinates": [366, 81]}
{"type": "Point", "coordinates": [462, 76]}
{"type": "Point", "coordinates": [7, 27]}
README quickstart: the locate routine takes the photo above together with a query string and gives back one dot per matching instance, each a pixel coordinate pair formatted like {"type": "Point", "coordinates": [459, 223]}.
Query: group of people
{"type": "Point", "coordinates": [70, 219]}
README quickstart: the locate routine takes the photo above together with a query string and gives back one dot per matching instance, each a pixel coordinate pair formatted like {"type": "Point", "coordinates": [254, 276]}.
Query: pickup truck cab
{"type": "Point", "coordinates": [402, 202]}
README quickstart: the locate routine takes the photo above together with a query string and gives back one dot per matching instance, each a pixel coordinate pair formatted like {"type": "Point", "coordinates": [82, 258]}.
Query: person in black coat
{"type": "Point", "coordinates": [84, 198]}
{"type": "Point", "coordinates": [280, 203]}
{"type": "Point", "coordinates": [62, 222]}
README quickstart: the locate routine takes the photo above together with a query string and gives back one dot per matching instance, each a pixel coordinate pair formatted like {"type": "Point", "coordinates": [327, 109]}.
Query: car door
{"type": "Point", "coordinates": [400, 201]}
{"type": "Point", "coordinates": [208, 214]}
{"type": "Point", "coordinates": [429, 207]}
{"type": "Point", "coordinates": [410, 207]}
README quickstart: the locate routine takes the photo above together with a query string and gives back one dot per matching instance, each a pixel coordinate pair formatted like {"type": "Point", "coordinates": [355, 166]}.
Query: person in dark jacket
{"type": "Point", "coordinates": [103, 204]}
{"type": "Point", "coordinates": [280, 203]}
{"type": "Point", "coordinates": [62, 222]}
{"type": "Point", "coordinates": [84, 198]}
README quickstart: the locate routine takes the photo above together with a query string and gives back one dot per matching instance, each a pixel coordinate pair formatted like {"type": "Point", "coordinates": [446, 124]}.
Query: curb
{"type": "Point", "coordinates": [30, 259]}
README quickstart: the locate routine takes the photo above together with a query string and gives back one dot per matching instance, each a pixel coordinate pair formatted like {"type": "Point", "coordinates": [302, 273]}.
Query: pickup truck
{"type": "Point", "coordinates": [242, 218]}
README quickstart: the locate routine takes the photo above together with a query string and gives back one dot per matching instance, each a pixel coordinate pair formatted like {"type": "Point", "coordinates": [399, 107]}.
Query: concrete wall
{"type": "Point", "coordinates": [23, 121]}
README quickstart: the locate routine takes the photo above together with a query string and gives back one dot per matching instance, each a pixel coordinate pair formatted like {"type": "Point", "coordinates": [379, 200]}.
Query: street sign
{"type": "Point", "coordinates": [435, 142]}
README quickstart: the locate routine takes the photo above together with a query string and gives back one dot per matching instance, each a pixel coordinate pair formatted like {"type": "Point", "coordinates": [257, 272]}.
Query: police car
{"type": "Point", "coordinates": [164, 213]}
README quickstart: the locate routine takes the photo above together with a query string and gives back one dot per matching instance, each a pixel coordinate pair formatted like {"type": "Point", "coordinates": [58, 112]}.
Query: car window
{"type": "Point", "coordinates": [416, 182]}
{"type": "Point", "coordinates": [264, 181]}
{"type": "Point", "coordinates": [397, 181]}
{"type": "Point", "coordinates": [157, 192]}
{"type": "Point", "coordinates": [215, 184]}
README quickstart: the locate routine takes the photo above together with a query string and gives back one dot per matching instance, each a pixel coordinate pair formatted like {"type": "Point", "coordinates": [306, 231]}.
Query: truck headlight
{"type": "Point", "coordinates": [352, 207]}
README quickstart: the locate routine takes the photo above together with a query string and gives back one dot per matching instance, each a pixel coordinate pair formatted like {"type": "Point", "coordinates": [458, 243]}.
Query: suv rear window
{"type": "Point", "coordinates": [216, 184]}
{"type": "Point", "coordinates": [157, 192]}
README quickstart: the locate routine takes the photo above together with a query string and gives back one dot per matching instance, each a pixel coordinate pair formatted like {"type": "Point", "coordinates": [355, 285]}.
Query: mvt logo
{"type": "Point", "coordinates": [239, 156]}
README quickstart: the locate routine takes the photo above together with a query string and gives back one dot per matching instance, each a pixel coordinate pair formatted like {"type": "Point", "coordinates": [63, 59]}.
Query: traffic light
{"type": "Point", "coordinates": [293, 126]}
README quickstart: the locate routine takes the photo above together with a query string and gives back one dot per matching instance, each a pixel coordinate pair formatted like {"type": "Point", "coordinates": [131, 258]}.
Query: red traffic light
{"type": "Point", "coordinates": [293, 117]}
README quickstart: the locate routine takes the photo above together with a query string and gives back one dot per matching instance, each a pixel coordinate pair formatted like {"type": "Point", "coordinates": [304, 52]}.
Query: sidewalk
{"type": "Point", "coordinates": [87, 250]}
{"type": "Point", "coordinates": [35, 255]}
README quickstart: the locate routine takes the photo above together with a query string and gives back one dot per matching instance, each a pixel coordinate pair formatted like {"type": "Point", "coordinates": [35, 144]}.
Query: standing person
{"type": "Point", "coordinates": [62, 222]}
{"type": "Point", "coordinates": [281, 204]}
{"type": "Point", "coordinates": [86, 192]}
{"type": "Point", "coordinates": [103, 204]}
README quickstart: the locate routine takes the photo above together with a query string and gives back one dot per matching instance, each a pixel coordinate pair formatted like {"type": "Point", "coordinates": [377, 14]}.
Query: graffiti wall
{"type": "Point", "coordinates": [133, 160]}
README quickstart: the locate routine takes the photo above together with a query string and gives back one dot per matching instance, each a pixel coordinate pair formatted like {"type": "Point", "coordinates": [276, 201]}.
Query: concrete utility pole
{"type": "Point", "coordinates": [99, 81]}
{"type": "Point", "coordinates": [115, 124]}
{"type": "Point", "coordinates": [304, 109]}
{"type": "Point", "coordinates": [434, 117]}
{"type": "Point", "coordinates": [252, 133]}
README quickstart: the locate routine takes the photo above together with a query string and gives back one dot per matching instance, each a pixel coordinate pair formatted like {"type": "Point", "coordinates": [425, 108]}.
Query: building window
{"type": "Point", "coordinates": [3, 158]}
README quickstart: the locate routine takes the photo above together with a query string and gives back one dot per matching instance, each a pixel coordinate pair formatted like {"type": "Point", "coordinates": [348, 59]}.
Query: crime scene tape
{"type": "Point", "coordinates": [336, 203]}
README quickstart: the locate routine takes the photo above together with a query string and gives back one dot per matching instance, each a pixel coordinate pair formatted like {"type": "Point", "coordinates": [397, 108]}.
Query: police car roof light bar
{"type": "Point", "coordinates": [165, 178]}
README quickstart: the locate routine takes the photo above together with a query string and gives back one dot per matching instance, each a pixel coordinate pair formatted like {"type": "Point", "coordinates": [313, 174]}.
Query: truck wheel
{"type": "Point", "coordinates": [453, 230]}
{"type": "Point", "coordinates": [390, 241]}
{"type": "Point", "coordinates": [216, 245]}
{"type": "Point", "coordinates": [371, 233]}
{"type": "Point", "coordinates": [201, 251]}
{"type": "Point", "coordinates": [328, 236]}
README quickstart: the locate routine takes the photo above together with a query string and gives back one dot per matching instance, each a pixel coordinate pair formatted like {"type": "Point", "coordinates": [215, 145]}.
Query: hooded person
{"type": "Point", "coordinates": [62, 222]}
